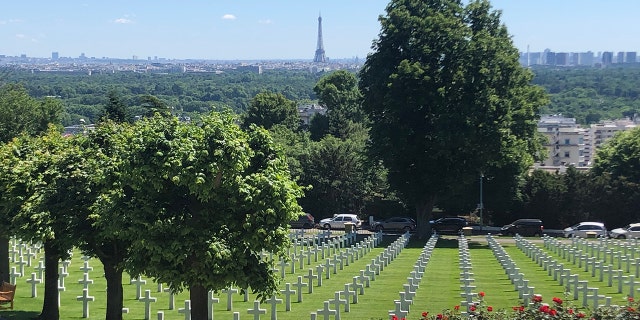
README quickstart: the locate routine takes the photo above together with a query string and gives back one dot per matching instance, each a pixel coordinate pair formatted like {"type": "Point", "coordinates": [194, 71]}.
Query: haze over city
{"type": "Point", "coordinates": [280, 29]}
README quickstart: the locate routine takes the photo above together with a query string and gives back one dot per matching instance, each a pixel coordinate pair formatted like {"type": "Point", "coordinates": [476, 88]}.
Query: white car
{"type": "Point", "coordinates": [585, 229]}
{"type": "Point", "coordinates": [338, 221]}
{"type": "Point", "coordinates": [629, 231]}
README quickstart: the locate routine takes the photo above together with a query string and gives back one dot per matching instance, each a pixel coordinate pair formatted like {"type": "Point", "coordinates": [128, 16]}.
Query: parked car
{"type": "Point", "coordinates": [395, 223]}
{"type": "Point", "coordinates": [305, 221]}
{"type": "Point", "coordinates": [338, 221]}
{"type": "Point", "coordinates": [584, 229]}
{"type": "Point", "coordinates": [448, 224]}
{"type": "Point", "coordinates": [524, 227]}
{"type": "Point", "coordinates": [629, 231]}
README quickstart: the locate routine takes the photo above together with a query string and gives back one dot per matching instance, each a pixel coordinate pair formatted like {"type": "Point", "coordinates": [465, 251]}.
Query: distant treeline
{"type": "Point", "coordinates": [84, 96]}
{"type": "Point", "coordinates": [591, 94]}
{"type": "Point", "coordinates": [587, 94]}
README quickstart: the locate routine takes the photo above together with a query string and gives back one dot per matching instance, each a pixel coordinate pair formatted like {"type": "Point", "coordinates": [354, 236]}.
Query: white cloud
{"type": "Point", "coordinates": [123, 21]}
{"type": "Point", "coordinates": [20, 36]}
{"type": "Point", "coordinates": [265, 21]}
{"type": "Point", "coordinates": [228, 16]}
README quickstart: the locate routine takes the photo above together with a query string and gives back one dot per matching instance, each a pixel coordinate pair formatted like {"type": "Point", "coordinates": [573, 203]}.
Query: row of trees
{"type": "Point", "coordinates": [188, 205]}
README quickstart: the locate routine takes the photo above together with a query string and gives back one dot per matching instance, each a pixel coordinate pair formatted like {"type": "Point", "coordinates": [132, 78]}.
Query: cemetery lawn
{"type": "Point", "coordinates": [439, 288]}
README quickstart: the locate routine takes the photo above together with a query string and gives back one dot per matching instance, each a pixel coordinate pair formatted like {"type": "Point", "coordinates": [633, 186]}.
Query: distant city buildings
{"type": "Point", "coordinates": [568, 144]}
{"type": "Point", "coordinates": [585, 59]}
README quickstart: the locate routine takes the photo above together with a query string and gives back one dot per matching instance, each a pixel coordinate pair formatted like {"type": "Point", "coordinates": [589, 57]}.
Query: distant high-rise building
{"type": "Point", "coordinates": [630, 57]}
{"type": "Point", "coordinates": [620, 57]}
{"type": "Point", "coordinates": [319, 57]}
{"type": "Point", "coordinates": [55, 56]}
{"type": "Point", "coordinates": [562, 59]}
{"type": "Point", "coordinates": [607, 57]}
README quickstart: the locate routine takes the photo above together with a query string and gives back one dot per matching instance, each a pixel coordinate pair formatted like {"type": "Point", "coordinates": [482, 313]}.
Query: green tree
{"type": "Point", "coordinates": [20, 113]}
{"type": "Point", "coordinates": [153, 104]}
{"type": "Point", "coordinates": [46, 185]}
{"type": "Point", "coordinates": [447, 98]}
{"type": "Point", "coordinates": [268, 109]}
{"type": "Point", "coordinates": [339, 93]}
{"type": "Point", "coordinates": [115, 109]}
{"type": "Point", "coordinates": [204, 201]}
{"type": "Point", "coordinates": [617, 167]}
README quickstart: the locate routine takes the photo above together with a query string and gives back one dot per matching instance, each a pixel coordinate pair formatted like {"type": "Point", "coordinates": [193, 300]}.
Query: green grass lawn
{"type": "Point", "coordinates": [439, 288]}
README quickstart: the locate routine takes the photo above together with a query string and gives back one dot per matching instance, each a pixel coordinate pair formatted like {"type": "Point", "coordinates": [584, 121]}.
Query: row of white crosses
{"type": "Point", "coordinates": [525, 292]}
{"type": "Point", "coordinates": [361, 281]}
{"type": "Point", "coordinates": [403, 305]}
{"type": "Point", "coordinates": [466, 276]}
{"type": "Point", "coordinates": [357, 251]}
{"type": "Point", "coordinates": [572, 282]}
{"type": "Point", "coordinates": [603, 259]}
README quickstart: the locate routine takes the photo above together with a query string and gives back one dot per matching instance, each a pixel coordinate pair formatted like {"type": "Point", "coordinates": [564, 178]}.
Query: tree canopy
{"type": "Point", "coordinates": [267, 109]}
{"type": "Point", "coordinates": [447, 98]}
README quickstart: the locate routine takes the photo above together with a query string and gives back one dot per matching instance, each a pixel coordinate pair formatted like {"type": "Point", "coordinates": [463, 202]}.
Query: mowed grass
{"type": "Point", "coordinates": [439, 288]}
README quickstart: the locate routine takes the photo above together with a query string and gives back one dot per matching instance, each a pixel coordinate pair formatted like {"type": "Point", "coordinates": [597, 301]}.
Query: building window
{"type": "Point", "coordinates": [567, 141]}
{"type": "Point", "coordinates": [581, 140]}
{"type": "Point", "coordinates": [567, 154]}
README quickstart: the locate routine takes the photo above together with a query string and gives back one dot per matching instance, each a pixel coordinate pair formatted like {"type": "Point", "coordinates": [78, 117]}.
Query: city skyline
{"type": "Point", "coordinates": [279, 29]}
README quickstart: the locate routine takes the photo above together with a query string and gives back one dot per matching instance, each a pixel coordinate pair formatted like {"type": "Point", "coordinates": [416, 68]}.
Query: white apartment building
{"type": "Point", "coordinates": [569, 144]}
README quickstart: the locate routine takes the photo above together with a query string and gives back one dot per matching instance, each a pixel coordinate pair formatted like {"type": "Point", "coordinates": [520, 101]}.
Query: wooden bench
{"type": "Point", "coordinates": [7, 291]}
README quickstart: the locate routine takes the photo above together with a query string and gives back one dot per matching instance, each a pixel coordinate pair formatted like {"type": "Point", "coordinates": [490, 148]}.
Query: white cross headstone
{"type": "Point", "coordinates": [85, 298]}
{"type": "Point", "coordinates": [85, 281]}
{"type": "Point", "coordinates": [273, 301]}
{"type": "Point", "coordinates": [139, 282]}
{"type": "Point", "coordinates": [287, 292]}
{"type": "Point", "coordinates": [147, 299]}
{"type": "Point", "coordinates": [186, 310]}
{"type": "Point", "coordinates": [210, 301]}
{"type": "Point", "coordinates": [34, 281]}
{"type": "Point", "coordinates": [326, 312]}
{"type": "Point", "coordinates": [299, 285]}
{"type": "Point", "coordinates": [256, 311]}
{"type": "Point", "coordinates": [337, 302]}
{"type": "Point", "coordinates": [230, 291]}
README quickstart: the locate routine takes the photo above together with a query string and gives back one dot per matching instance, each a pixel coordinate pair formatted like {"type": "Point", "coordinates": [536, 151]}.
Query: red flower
{"type": "Point", "coordinates": [537, 298]}
{"type": "Point", "coordinates": [439, 316]}
{"type": "Point", "coordinates": [580, 315]}
{"type": "Point", "coordinates": [630, 299]}
{"type": "Point", "coordinates": [570, 311]}
{"type": "Point", "coordinates": [553, 312]}
{"type": "Point", "coordinates": [481, 294]}
{"type": "Point", "coordinates": [557, 300]}
{"type": "Point", "coordinates": [472, 308]}
{"type": "Point", "coordinates": [489, 308]}
{"type": "Point", "coordinates": [630, 309]}
{"type": "Point", "coordinates": [456, 308]}
{"type": "Point", "coordinates": [425, 314]}
{"type": "Point", "coordinates": [544, 309]}
{"type": "Point", "coordinates": [394, 317]}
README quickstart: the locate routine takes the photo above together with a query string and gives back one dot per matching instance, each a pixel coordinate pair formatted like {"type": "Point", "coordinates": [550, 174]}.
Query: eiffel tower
{"type": "Point", "coordinates": [320, 49]}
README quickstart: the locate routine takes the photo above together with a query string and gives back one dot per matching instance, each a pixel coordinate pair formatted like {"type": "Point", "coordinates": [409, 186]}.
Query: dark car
{"type": "Point", "coordinates": [524, 227]}
{"type": "Point", "coordinates": [448, 224]}
{"type": "Point", "coordinates": [305, 221]}
{"type": "Point", "coordinates": [395, 224]}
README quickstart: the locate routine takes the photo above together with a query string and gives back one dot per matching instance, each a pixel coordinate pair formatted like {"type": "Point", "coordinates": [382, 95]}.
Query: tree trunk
{"type": "Point", "coordinates": [423, 215]}
{"type": "Point", "coordinates": [50, 309]}
{"type": "Point", "coordinates": [114, 291]}
{"type": "Point", "coordinates": [198, 297]}
{"type": "Point", "coordinates": [4, 258]}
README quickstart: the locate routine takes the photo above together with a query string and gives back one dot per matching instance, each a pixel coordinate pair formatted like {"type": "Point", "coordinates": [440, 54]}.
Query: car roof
{"type": "Point", "coordinates": [634, 224]}
{"type": "Point", "coordinates": [591, 223]}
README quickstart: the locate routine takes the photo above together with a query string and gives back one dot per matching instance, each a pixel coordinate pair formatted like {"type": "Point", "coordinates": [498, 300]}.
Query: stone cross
{"type": "Point", "coordinates": [85, 267]}
{"type": "Point", "coordinates": [14, 275]}
{"type": "Point", "coordinates": [299, 285]}
{"type": "Point", "coordinates": [319, 270]}
{"type": "Point", "coordinates": [230, 291]}
{"type": "Point", "coordinates": [85, 281]}
{"type": "Point", "coordinates": [349, 293]}
{"type": "Point", "coordinates": [171, 298]}
{"type": "Point", "coordinates": [288, 292]}
{"type": "Point", "coordinates": [39, 268]}
{"type": "Point", "coordinates": [256, 311]}
{"type": "Point", "coordinates": [61, 275]}
{"type": "Point", "coordinates": [21, 263]}
{"type": "Point", "coordinates": [326, 312]}
{"type": "Point", "coordinates": [147, 299]}
{"type": "Point", "coordinates": [310, 277]}
{"type": "Point", "coordinates": [398, 312]}
{"type": "Point", "coordinates": [283, 264]}
{"type": "Point", "coordinates": [139, 282]}
{"type": "Point", "coordinates": [34, 281]}
{"type": "Point", "coordinates": [85, 298]}
{"type": "Point", "coordinates": [274, 301]}
{"type": "Point", "coordinates": [337, 302]}
{"type": "Point", "coordinates": [210, 301]}
{"type": "Point", "coordinates": [355, 285]}
{"type": "Point", "coordinates": [186, 310]}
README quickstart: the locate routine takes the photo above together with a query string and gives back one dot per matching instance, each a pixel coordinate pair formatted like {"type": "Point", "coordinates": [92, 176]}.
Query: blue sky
{"type": "Point", "coordinates": [280, 29]}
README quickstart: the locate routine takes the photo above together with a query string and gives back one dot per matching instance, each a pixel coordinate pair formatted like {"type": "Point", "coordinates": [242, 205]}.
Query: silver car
{"type": "Point", "coordinates": [629, 231]}
{"type": "Point", "coordinates": [585, 230]}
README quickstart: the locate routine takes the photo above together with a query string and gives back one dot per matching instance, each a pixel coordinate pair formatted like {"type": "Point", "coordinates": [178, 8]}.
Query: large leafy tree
{"type": "Point", "coordinates": [267, 109]}
{"type": "Point", "coordinates": [47, 188]}
{"type": "Point", "coordinates": [20, 113]}
{"type": "Point", "coordinates": [204, 201]}
{"type": "Point", "coordinates": [617, 169]}
{"type": "Point", "coordinates": [447, 99]}
{"type": "Point", "coordinates": [339, 93]}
